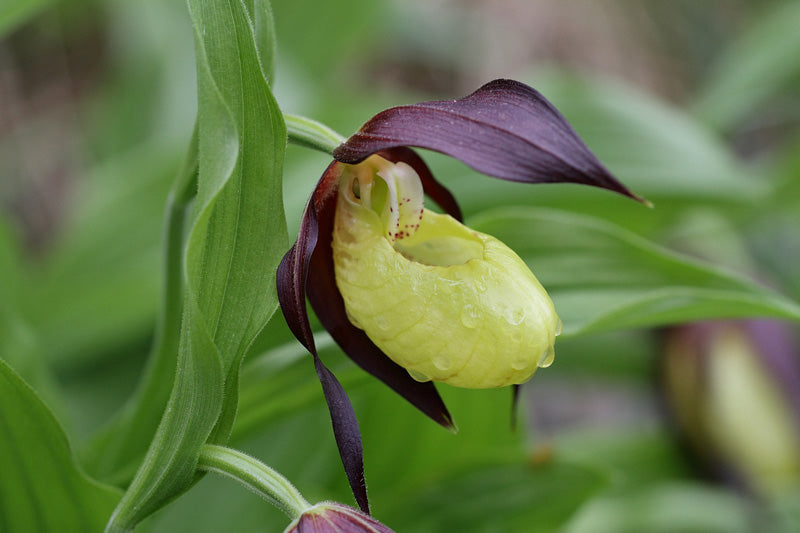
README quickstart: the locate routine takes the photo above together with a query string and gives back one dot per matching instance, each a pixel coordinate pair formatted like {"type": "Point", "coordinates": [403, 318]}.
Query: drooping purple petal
{"type": "Point", "coordinates": [346, 432]}
{"type": "Point", "coordinates": [327, 303]}
{"type": "Point", "coordinates": [292, 276]}
{"type": "Point", "coordinates": [292, 279]}
{"type": "Point", "coordinates": [504, 129]}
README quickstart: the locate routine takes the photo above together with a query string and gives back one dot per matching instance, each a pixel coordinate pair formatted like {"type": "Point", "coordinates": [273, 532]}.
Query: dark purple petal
{"type": "Point", "coordinates": [514, 406]}
{"type": "Point", "coordinates": [346, 432]}
{"type": "Point", "coordinates": [324, 296]}
{"type": "Point", "coordinates": [504, 129]}
{"type": "Point", "coordinates": [433, 189]}
{"type": "Point", "coordinates": [292, 279]}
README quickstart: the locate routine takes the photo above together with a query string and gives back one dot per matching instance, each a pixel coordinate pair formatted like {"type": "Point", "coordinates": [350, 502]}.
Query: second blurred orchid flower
{"type": "Point", "coordinates": [411, 295]}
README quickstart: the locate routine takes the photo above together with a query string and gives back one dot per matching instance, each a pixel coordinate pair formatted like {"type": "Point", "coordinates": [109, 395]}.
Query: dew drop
{"type": "Point", "coordinates": [559, 327]}
{"type": "Point", "coordinates": [469, 316]}
{"type": "Point", "coordinates": [480, 284]}
{"type": "Point", "coordinates": [514, 316]}
{"type": "Point", "coordinates": [418, 376]}
{"type": "Point", "coordinates": [520, 364]}
{"type": "Point", "coordinates": [441, 362]}
{"type": "Point", "coordinates": [547, 357]}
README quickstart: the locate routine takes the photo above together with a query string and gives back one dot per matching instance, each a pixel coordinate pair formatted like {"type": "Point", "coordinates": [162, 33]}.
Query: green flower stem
{"type": "Point", "coordinates": [254, 475]}
{"type": "Point", "coordinates": [312, 134]}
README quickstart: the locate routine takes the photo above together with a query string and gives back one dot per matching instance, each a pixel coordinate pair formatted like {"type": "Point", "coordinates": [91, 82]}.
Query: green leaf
{"type": "Point", "coordinates": [602, 277]}
{"type": "Point", "coordinates": [761, 64]}
{"type": "Point", "coordinates": [501, 497]}
{"type": "Point", "coordinates": [668, 508]}
{"type": "Point", "coordinates": [41, 488]}
{"type": "Point", "coordinates": [236, 239]}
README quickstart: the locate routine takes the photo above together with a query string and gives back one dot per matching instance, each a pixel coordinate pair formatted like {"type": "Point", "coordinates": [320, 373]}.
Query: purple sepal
{"type": "Point", "coordinates": [504, 129]}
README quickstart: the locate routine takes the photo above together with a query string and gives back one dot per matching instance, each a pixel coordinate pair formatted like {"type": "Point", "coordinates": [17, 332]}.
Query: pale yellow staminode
{"type": "Point", "coordinates": [447, 303]}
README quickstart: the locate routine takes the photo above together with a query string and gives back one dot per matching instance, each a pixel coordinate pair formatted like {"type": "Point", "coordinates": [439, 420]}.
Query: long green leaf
{"type": "Point", "coordinates": [235, 242]}
{"type": "Point", "coordinates": [501, 497]}
{"type": "Point", "coordinates": [41, 488]}
{"type": "Point", "coordinates": [602, 277]}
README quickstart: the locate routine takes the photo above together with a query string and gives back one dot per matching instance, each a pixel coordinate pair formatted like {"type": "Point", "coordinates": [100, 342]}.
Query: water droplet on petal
{"type": "Point", "coordinates": [469, 316]}
{"type": "Point", "coordinates": [480, 284]}
{"type": "Point", "coordinates": [547, 357]}
{"type": "Point", "coordinates": [515, 316]}
{"type": "Point", "coordinates": [559, 327]}
{"type": "Point", "coordinates": [448, 287]}
{"type": "Point", "coordinates": [520, 364]}
{"type": "Point", "coordinates": [441, 362]}
{"type": "Point", "coordinates": [419, 376]}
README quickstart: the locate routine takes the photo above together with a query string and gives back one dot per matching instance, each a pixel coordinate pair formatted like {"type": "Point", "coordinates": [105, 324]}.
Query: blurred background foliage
{"type": "Point", "coordinates": [694, 105]}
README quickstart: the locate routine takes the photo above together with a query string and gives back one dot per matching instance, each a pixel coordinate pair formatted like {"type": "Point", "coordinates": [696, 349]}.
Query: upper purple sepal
{"type": "Point", "coordinates": [504, 129]}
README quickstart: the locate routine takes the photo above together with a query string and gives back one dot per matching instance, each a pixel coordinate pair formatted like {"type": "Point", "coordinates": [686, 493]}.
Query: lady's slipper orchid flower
{"type": "Point", "coordinates": [413, 296]}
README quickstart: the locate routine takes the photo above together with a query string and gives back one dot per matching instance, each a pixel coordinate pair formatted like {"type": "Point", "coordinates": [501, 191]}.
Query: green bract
{"type": "Point", "coordinates": [446, 303]}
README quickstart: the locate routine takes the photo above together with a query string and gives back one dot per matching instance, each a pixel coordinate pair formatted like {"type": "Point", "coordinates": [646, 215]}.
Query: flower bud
{"type": "Point", "coordinates": [734, 388]}
{"type": "Point", "coordinates": [445, 302]}
{"type": "Point", "coordinates": [331, 517]}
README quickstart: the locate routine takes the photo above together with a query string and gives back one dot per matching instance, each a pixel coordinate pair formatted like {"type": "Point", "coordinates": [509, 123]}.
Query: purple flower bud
{"type": "Point", "coordinates": [331, 517]}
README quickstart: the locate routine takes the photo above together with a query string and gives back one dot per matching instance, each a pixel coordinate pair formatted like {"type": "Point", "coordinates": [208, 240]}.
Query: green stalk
{"type": "Point", "coordinates": [306, 132]}
{"type": "Point", "coordinates": [254, 475]}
